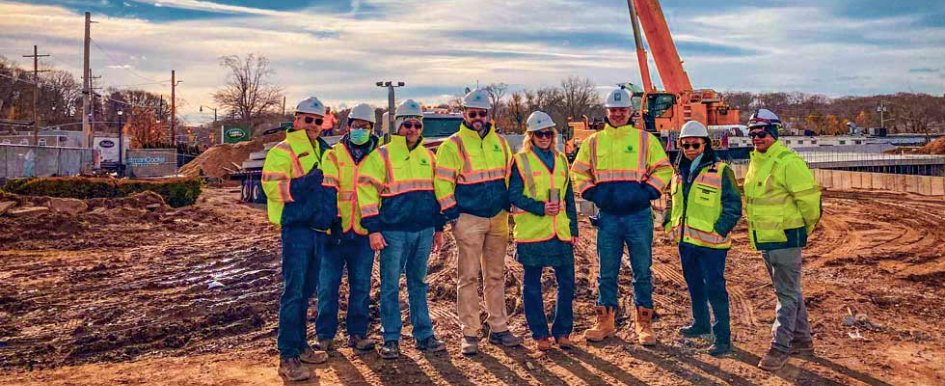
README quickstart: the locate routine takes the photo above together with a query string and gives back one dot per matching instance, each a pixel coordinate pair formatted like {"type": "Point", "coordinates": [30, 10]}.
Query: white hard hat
{"type": "Point", "coordinates": [693, 129]}
{"type": "Point", "coordinates": [539, 120]}
{"type": "Point", "coordinates": [408, 108]}
{"type": "Point", "coordinates": [762, 118]}
{"type": "Point", "coordinates": [478, 99]}
{"type": "Point", "coordinates": [619, 98]}
{"type": "Point", "coordinates": [311, 105]}
{"type": "Point", "coordinates": [363, 112]}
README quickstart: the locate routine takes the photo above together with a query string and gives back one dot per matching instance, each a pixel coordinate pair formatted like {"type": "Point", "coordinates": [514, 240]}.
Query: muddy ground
{"type": "Point", "coordinates": [125, 298]}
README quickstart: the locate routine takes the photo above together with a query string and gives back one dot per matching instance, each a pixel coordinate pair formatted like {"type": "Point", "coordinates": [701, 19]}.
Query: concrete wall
{"type": "Point", "coordinates": [150, 163]}
{"type": "Point", "coordinates": [30, 161]}
{"type": "Point", "coordinates": [844, 180]}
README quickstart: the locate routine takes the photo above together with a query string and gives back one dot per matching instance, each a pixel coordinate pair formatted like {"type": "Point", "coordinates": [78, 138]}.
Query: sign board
{"type": "Point", "coordinates": [107, 148]}
{"type": "Point", "coordinates": [234, 134]}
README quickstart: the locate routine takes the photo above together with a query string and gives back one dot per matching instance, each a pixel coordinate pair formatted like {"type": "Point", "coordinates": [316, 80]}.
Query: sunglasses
{"type": "Point", "coordinates": [317, 121]}
{"type": "Point", "coordinates": [544, 134]}
{"type": "Point", "coordinates": [759, 134]}
{"type": "Point", "coordinates": [411, 125]}
{"type": "Point", "coordinates": [693, 146]}
{"type": "Point", "coordinates": [481, 114]}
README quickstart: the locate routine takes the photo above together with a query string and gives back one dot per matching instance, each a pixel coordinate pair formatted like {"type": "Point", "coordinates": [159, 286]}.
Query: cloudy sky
{"type": "Point", "coordinates": [337, 49]}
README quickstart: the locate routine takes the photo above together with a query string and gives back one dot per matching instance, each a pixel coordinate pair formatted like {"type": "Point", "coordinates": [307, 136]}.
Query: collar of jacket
{"type": "Point", "coordinates": [470, 132]}
{"type": "Point", "coordinates": [620, 130]}
{"type": "Point", "coordinates": [401, 141]}
{"type": "Point", "coordinates": [773, 151]}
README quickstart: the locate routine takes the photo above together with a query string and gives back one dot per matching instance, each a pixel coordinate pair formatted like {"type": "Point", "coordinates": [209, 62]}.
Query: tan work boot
{"type": "Point", "coordinates": [564, 341]}
{"type": "Point", "coordinates": [292, 370]}
{"type": "Point", "coordinates": [544, 344]}
{"type": "Point", "coordinates": [604, 327]}
{"type": "Point", "coordinates": [773, 360]}
{"type": "Point", "coordinates": [644, 326]}
{"type": "Point", "coordinates": [312, 356]}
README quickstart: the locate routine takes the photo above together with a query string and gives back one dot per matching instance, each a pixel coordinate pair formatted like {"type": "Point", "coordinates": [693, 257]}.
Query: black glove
{"type": "Point", "coordinates": [306, 183]}
{"type": "Point", "coordinates": [336, 233]}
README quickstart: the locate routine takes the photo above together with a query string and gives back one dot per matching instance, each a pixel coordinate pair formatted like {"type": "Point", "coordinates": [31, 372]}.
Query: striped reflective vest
{"type": "Point", "coordinates": [781, 193]}
{"type": "Point", "coordinates": [341, 173]}
{"type": "Point", "coordinates": [399, 171]}
{"type": "Point", "coordinates": [292, 158]}
{"type": "Point", "coordinates": [538, 182]}
{"type": "Point", "coordinates": [693, 217]}
{"type": "Point", "coordinates": [466, 158]}
{"type": "Point", "coordinates": [624, 154]}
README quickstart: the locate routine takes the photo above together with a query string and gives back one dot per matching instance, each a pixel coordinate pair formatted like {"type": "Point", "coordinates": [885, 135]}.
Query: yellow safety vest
{"type": "Point", "coordinates": [781, 193]}
{"type": "Point", "coordinates": [621, 154]}
{"type": "Point", "coordinates": [466, 158]}
{"type": "Point", "coordinates": [292, 158]}
{"type": "Point", "coordinates": [538, 181]}
{"type": "Point", "coordinates": [702, 208]}
{"type": "Point", "coordinates": [394, 170]}
{"type": "Point", "coordinates": [341, 172]}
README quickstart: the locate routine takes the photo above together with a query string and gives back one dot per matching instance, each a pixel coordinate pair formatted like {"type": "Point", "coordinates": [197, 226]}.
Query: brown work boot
{"type": "Point", "coordinates": [644, 326]}
{"type": "Point", "coordinates": [544, 344]}
{"type": "Point", "coordinates": [292, 370]}
{"type": "Point", "coordinates": [802, 347]}
{"type": "Point", "coordinates": [312, 356]}
{"type": "Point", "coordinates": [604, 328]}
{"type": "Point", "coordinates": [361, 342]}
{"type": "Point", "coordinates": [773, 360]}
{"type": "Point", "coordinates": [564, 341]}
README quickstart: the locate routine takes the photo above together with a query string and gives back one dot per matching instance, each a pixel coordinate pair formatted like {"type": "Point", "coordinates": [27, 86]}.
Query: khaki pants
{"type": "Point", "coordinates": [482, 244]}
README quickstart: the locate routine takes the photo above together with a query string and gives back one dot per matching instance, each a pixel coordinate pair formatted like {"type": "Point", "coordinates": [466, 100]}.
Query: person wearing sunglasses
{"type": "Point", "coordinates": [349, 249]}
{"type": "Point", "coordinates": [703, 210]}
{"type": "Point", "coordinates": [404, 221]}
{"type": "Point", "coordinates": [472, 186]}
{"type": "Point", "coordinates": [545, 229]}
{"type": "Point", "coordinates": [621, 169]}
{"type": "Point", "coordinates": [782, 207]}
{"type": "Point", "coordinates": [304, 209]}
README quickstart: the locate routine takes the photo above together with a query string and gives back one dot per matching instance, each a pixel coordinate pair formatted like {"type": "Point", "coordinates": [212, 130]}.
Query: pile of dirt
{"type": "Point", "coordinates": [936, 147]}
{"type": "Point", "coordinates": [218, 161]}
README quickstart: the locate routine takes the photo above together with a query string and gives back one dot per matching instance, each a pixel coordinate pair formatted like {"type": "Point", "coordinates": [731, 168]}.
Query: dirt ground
{"type": "Point", "coordinates": [128, 300]}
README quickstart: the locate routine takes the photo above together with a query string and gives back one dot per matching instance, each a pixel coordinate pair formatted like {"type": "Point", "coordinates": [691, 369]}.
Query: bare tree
{"type": "Point", "coordinates": [248, 94]}
{"type": "Point", "coordinates": [517, 111]}
{"type": "Point", "coordinates": [578, 96]}
{"type": "Point", "coordinates": [496, 93]}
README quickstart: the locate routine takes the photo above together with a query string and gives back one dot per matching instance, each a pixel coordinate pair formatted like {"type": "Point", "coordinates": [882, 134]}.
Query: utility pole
{"type": "Point", "coordinates": [390, 105]}
{"type": "Point", "coordinates": [882, 114]}
{"type": "Point", "coordinates": [86, 82]}
{"type": "Point", "coordinates": [173, 109]}
{"type": "Point", "coordinates": [36, 72]}
{"type": "Point", "coordinates": [283, 106]}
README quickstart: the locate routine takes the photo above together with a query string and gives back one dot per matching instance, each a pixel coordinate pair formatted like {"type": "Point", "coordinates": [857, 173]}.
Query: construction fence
{"type": "Point", "coordinates": [19, 161]}
{"type": "Point", "coordinates": [846, 180]}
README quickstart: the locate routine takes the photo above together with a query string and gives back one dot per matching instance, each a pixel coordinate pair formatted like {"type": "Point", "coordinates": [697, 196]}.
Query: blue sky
{"type": "Point", "coordinates": [337, 49]}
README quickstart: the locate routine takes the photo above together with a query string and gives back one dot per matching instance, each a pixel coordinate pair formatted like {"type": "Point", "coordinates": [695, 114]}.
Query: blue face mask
{"type": "Point", "coordinates": [359, 136]}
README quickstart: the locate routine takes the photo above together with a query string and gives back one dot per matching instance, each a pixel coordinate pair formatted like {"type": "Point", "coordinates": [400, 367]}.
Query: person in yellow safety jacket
{"type": "Point", "coordinates": [402, 216]}
{"type": "Point", "coordinates": [705, 207]}
{"type": "Point", "coordinates": [304, 210]}
{"type": "Point", "coordinates": [621, 169]}
{"type": "Point", "coordinates": [348, 248]}
{"type": "Point", "coordinates": [545, 229]}
{"type": "Point", "coordinates": [472, 187]}
{"type": "Point", "coordinates": [782, 207]}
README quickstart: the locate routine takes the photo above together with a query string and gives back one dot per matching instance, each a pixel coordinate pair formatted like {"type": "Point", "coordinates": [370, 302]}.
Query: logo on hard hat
{"type": "Point", "coordinates": [617, 96]}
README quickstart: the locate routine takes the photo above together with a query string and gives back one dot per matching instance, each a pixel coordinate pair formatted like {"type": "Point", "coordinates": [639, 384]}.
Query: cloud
{"type": "Point", "coordinates": [337, 49]}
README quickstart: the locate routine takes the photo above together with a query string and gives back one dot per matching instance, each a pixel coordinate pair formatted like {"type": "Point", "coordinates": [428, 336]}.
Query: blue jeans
{"type": "Point", "coordinates": [406, 252]}
{"type": "Point", "coordinates": [704, 270]}
{"type": "Point", "coordinates": [357, 256]}
{"type": "Point", "coordinates": [535, 307]}
{"type": "Point", "coordinates": [301, 249]}
{"type": "Point", "coordinates": [636, 232]}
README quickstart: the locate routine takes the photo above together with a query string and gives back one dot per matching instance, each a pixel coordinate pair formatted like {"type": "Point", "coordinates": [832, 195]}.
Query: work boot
{"type": "Point", "coordinates": [644, 326]}
{"type": "Point", "coordinates": [604, 328]}
{"type": "Point", "coordinates": [390, 350]}
{"type": "Point", "coordinates": [324, 344]}
{"type": "Point", "coordinates": [544, 344]}
{"type": "Point", "coordinates": [695, 330]}
{"type": "Point", "coordinates": [802, 347]}
{"type": "Point", "coordinates": [314, 357]}
{"type": "Point", "coordinates": [292, 370]}
{"type": "Point", "coordinates": [773, 360]}
{"type": "Point", "coordinates": [361, 342]}
{"type": "Point", "coordinates": [505, 338]}
{"type": "Point", "coordinates": [720, 348]}
{"type": "Point", "coordinates": [431, 344]}
{"type": "Point", "coordinates": [469, 345]}
{"type": "Point", "coordinates": [564, 341]}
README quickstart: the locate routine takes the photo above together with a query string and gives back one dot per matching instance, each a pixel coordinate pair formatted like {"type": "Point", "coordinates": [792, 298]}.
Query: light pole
{"type": "Point", "coordinates": [390, 104]}
{"type": "Point", "coordinates": [214, 112]}
{"type": "Point", "coordinates": [121, 144]}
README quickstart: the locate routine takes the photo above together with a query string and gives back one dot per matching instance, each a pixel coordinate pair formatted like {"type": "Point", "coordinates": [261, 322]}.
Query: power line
{"type": "Point", "coordinates": [118, 64]}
